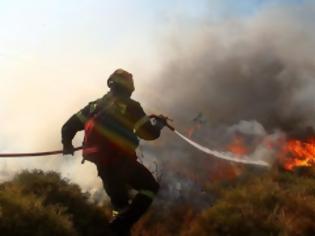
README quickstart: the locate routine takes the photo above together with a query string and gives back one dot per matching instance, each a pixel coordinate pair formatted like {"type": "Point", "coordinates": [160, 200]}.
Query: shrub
{"type": "Point", "coordinates": [38, 203]}
{"type": "Point", "coordinates": [281, 204]}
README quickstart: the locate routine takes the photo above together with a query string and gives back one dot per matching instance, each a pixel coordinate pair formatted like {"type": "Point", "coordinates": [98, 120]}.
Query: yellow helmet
{"type": "Point", "coordinates": [121, 80]}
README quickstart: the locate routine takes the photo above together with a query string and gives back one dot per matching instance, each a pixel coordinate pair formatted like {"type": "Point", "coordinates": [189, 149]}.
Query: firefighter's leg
{"type": "Point", "coordinates": [115, 187]}
{"type": "Point", "coordinates": [114, 181]}
{"type": "Point", "coordinates": [143, 181]}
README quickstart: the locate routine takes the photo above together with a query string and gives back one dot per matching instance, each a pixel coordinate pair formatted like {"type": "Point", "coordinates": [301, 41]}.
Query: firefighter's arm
{"type": "Point", "coordinates": [68, 131]}
{"type": "Point", "coordinates": [73, 125]}
{"type": "Point", "coordinates": [148, 128]}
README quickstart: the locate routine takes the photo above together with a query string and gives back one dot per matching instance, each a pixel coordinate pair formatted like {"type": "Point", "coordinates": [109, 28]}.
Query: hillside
{"type": "Point", "coordinates": [271, 203]}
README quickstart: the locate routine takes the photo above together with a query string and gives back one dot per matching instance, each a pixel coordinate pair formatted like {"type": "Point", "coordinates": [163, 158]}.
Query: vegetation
{"type": "Point", "coordinates": [38, 203]}
{"type": "Point", "coordinates": [277, 203]}
{"type": "Point", "coordinates": [271, 203]}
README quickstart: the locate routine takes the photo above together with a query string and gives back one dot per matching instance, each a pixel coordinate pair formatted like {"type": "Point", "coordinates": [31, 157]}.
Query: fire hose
{"type": "Point", "coordinates": [35, 154]}
{"type": "Point", "coordinates": [213, 153]}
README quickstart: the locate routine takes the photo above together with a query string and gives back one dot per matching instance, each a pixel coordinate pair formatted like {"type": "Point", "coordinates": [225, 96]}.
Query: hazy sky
{"type": "Point", "coordinates": [45, 44]}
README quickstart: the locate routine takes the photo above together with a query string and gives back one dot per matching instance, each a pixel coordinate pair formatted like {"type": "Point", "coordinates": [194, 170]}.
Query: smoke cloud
{"type": "Point", "coordinates": [258, 68]}
{"type": "Point", "coordinates": [253, 76]}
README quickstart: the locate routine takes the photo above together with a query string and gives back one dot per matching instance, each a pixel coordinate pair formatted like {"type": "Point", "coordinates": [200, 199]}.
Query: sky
{"type": "Point", "coordinates": [55, 56]}
{"type": "Point", "coordinates": [72, 41]}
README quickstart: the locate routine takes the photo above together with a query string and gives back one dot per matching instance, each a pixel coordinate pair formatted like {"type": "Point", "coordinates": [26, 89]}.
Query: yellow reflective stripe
{"type": "Point", "coordinates": [82, 118]}
{"type": "Point", "coordinates": [140, 122]}
{"type": "Point", "coordinates": [93, 107]}
{"type": "Point", "coordinates": [115, 213]}
{"type": "Point", "coordinates": [147, 193]}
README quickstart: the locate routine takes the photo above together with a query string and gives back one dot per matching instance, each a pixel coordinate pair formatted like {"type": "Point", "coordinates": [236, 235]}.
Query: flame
{"type": "Point", "coordinates": [291, 154]}
{"type": "Point", "coordinates": [296, 153]}
{"type": "Point", "coordinates": [237, 146]}
{"type": "Point", "coordinates": [232, 170]}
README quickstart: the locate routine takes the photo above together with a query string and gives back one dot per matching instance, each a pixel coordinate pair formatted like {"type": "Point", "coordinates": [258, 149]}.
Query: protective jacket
{"type": "Point", "coordinates": [113, 126]}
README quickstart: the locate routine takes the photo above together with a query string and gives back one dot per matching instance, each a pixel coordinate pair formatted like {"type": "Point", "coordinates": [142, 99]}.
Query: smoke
{"type": "Point", "coordinates": [253, 76]}
{"type": "Point", "coordinates": [258, 68]}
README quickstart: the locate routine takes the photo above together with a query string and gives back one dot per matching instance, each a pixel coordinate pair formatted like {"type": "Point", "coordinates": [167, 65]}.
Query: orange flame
{"type": "Point", "coordinates": [296, 153]}
{"type": "Point", "coordinates": [293, 153]}
{"type": "Point", "coordinates": [238, 146]}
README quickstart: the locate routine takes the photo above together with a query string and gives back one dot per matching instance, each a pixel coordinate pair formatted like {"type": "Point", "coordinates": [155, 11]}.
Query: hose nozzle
{"type": "Point", "coordinates": [165, 119]}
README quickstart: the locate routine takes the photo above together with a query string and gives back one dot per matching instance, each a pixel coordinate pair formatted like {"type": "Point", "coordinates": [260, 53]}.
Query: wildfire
{"type": "Point", "coordinates": [290, 154]}
{"type": "Point", "coordinates": [296, 153]}
{"type": "Point", "coordinates": [238, 146]}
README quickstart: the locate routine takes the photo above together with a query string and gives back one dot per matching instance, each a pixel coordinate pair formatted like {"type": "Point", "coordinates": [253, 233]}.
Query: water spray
{"type": "Point", "coordinates": [244, 159]}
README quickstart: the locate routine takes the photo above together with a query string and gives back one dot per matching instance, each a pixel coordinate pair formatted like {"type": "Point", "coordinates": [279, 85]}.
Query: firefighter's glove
{"type": "Point", "coordinates": [68, 149]}
{"type": "Point", "coordinates": [161, 121]}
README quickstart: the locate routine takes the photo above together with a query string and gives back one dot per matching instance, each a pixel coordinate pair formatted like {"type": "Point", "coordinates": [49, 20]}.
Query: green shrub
{"type": "Point", "coordinates": [267, 204]}
{"type": "Point", "coordinates": [22, 214]}
{"type": "Point", "coordinates": [281, 204]}
{"type": "Point", "coordinates": [38, 203]}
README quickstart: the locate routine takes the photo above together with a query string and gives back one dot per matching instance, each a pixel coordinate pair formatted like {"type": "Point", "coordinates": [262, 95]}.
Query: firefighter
{"type": "Point", "coordinates": [113, 125]}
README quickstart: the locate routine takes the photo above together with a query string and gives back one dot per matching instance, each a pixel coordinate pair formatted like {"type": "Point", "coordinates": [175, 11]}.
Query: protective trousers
{"type": "Point", "coordinates": [121, 175]}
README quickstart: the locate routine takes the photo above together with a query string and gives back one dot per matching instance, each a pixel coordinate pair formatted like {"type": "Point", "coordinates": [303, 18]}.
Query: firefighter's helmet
{"type": "Point", "coordinates": [121, 81]}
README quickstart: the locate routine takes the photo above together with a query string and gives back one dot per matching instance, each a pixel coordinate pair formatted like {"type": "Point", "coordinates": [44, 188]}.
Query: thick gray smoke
{"type": "Point", "coordinates": [253, 77]}
{"type": "Point", "coordinates": [259, 68]}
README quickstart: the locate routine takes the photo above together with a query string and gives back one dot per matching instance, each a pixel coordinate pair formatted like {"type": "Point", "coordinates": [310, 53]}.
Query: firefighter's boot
{"type": "Point", "coordinates": [125, 220]}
